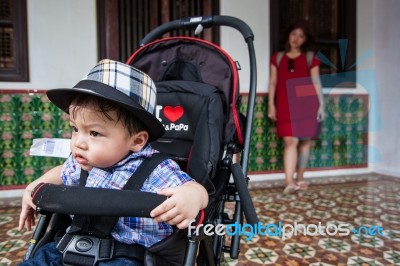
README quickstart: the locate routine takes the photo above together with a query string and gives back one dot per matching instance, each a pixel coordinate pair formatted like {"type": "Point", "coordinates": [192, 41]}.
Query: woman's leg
{"type": "Point", "coordinates": [290, 158]}
{"type": "Point", "coordinates": [304, 154]}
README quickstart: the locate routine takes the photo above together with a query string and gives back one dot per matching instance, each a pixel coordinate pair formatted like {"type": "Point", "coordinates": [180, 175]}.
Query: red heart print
{"type": "Point", "coordinates": [173, 113]}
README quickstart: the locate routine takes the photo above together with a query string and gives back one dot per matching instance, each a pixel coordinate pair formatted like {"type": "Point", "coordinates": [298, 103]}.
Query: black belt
{"type": "Point", "coordinates": [88, 250]}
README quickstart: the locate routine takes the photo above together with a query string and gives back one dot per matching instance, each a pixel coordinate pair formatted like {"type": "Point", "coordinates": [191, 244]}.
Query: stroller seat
{"type": "Point", "coordinates": [193, 119]}
{"type": "Point", "coordinates": [198, 103]}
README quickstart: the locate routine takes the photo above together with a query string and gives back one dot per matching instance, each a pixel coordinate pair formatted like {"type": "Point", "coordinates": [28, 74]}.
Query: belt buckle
{"type": "Point", "coordinates": [87, 246]}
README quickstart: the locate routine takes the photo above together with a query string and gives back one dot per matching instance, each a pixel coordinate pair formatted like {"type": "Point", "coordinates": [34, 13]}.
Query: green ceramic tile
{"type": "Point", "coordinates": [27, 116]}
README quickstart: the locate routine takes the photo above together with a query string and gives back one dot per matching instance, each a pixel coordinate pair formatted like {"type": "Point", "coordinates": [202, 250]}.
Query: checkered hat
{"type": "Point", "coordinates": [120, 83]}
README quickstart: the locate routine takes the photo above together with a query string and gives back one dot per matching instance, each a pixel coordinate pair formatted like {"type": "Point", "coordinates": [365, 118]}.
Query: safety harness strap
{"type": "Point", "coordinates": [93, 225]}
{"type": "Point", "coordinates": [89, 239]}
{"type": "Point", "coordinates": [143, 172]}
{"type": "Point", "coordinates": [88, 250]}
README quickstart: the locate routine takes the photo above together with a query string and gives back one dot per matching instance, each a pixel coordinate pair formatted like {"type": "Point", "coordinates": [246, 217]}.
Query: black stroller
{"type": "Point", "coordinates": [198, 102]}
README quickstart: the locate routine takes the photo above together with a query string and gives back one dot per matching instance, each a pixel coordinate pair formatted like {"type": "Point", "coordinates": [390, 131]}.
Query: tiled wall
{"type": "Point", "coordinates": [343, 141]}
{"type": "Point", "coordinates": [24, 116]}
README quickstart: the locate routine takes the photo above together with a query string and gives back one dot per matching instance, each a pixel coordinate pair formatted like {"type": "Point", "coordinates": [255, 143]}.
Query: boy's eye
{"type": "Point", "coordinates": [94, 133]}
{"type": "Point", "coordinates": [74, 129]}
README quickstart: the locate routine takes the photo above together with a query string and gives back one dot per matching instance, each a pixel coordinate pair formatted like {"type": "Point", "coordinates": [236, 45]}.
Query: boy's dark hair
{"type": "Point", "coordinates": [303, 25]}
{"type": "Point", "coordinates": [103, 106]}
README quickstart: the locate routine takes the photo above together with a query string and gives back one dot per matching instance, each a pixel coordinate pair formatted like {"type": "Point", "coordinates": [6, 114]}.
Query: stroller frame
{"type": "Point", "coordinates": [208, 250]}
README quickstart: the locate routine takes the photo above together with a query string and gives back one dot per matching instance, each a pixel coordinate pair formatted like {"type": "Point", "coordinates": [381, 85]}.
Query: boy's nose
{"type": "Point", "coordinates": [80, 142]}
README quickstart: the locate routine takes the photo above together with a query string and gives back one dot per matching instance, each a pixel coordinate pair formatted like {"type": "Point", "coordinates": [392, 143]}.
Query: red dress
{"type": "Point", "coordinates": [296, 98]}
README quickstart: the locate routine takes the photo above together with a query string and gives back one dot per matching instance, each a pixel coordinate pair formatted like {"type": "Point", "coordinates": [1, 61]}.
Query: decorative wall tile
{"type": "Point", "coordinates": [342, 143]}
{"type": "Point", "coordinates": [24, 116]}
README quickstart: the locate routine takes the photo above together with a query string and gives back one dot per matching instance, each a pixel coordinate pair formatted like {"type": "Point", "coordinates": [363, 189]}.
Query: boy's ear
{"type": "Point", "coordinates": [139, 140]}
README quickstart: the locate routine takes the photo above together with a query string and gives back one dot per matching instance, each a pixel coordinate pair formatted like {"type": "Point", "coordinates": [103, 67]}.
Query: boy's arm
{"type": "Point", "coordinates": [53, 176]}
{"type": "Point", "coordinates": [28, 209]}
{"type": "Point", "coordinates": [183, 204]}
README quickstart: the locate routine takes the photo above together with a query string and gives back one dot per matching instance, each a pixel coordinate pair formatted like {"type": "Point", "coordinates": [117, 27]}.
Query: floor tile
{"type": "Point", "coordinates": [369, 200]}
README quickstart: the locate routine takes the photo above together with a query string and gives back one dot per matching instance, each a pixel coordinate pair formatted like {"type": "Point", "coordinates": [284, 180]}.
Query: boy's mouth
{"type": "Point", "coordinates": [80, 159]}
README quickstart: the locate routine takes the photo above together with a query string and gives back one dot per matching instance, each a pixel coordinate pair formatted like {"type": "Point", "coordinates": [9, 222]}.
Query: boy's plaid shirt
{"type": "Point", "coordinates": [143, 231]}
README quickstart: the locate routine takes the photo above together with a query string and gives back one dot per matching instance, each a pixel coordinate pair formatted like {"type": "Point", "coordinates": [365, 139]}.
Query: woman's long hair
{"type": "Point", "coordinates": [303, 25]}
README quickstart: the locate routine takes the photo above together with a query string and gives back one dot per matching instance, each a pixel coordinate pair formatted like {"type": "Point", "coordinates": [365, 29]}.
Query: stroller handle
{"type": "Point", "coordinates": [205, 21]}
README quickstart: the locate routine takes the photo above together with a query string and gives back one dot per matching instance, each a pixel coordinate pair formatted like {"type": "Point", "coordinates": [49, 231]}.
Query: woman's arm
{"type": "Point", "coordinates": [314, 72]}
{"type": "Point", "coordinates": [273, 77]}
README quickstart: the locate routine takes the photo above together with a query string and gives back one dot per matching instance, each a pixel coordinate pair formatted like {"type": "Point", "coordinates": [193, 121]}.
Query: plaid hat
{"type": "Point", "coordinates": [120, 83]}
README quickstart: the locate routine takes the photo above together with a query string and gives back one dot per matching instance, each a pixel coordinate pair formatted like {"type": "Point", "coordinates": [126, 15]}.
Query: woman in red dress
{"type": "Point", "coordinates": [296, 103]}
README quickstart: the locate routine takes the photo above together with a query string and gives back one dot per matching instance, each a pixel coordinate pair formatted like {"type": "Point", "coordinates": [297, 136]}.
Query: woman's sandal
{"type": "Point", "coordinates": [291, 188]}
{"type": "Point", "coordinates": [302, 185]}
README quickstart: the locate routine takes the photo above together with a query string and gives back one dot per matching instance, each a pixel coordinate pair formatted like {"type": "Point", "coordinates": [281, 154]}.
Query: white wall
{"type": "Point", "coordinates": [386, 137]}
{"type": "Point", "coordinates": [378, 36]}
{"type": "Point", "coordinates": [63, 47]}
{"type": "Point", "coordinates": [256, 16]}
{"type": "Point", "coordinates": [62, 34]}
{"type": "Point", "coordinates": [62, 43]}
{"type": "Point", "coordinates": [365, 44]}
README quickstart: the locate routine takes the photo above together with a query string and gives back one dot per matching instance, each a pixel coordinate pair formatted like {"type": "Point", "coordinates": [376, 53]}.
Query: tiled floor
{"type": "Point", "coordinates": [364, 200]}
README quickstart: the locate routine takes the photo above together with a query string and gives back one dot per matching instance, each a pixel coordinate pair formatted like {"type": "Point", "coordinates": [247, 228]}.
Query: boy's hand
{"type": "Point", "coordinates": [28, 213]}
{"type": "Point", "coordinates": [182, 206]}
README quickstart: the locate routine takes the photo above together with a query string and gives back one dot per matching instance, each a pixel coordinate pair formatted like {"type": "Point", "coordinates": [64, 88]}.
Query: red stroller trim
{"type": "Point", "coordinates": [232, 64]}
